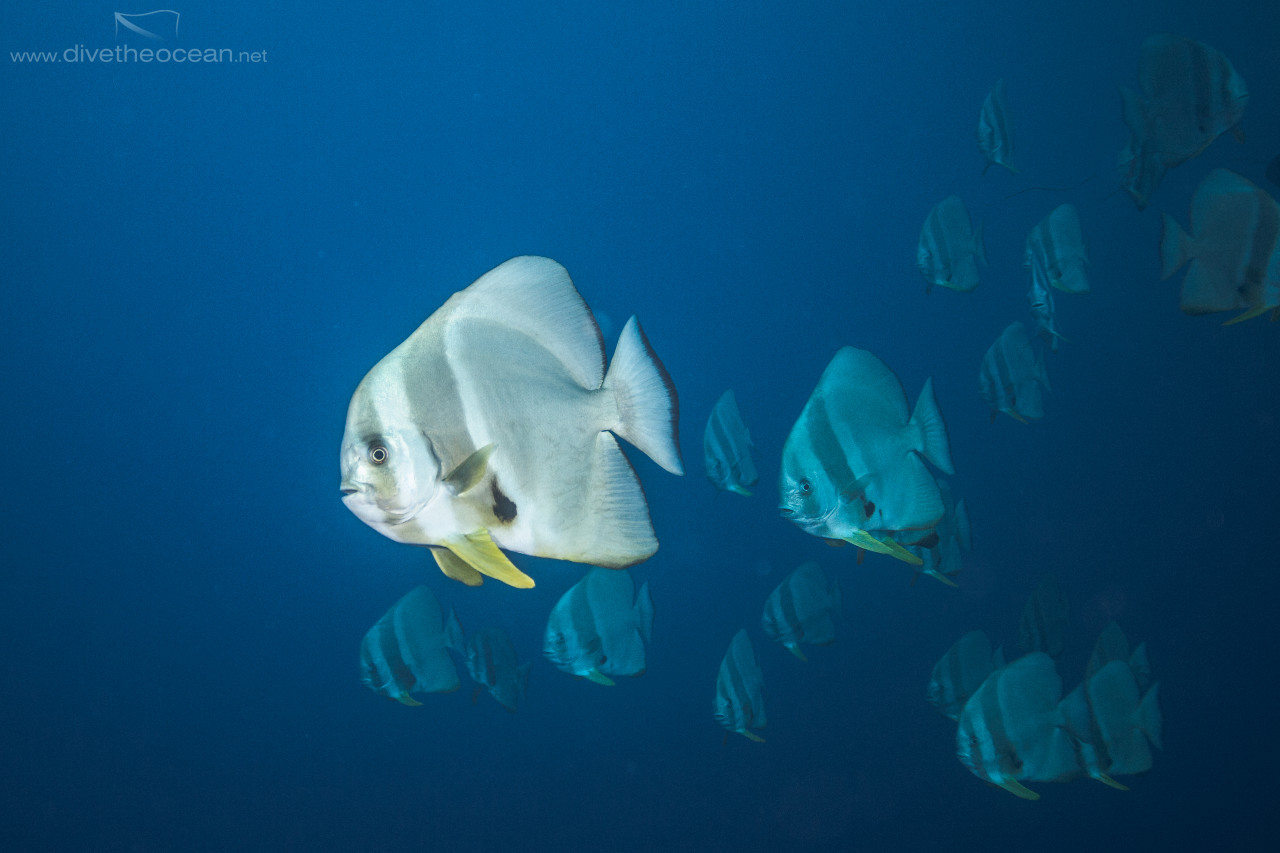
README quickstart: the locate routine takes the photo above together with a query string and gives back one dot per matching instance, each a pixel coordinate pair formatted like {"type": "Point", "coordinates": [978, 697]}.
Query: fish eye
{"type": "Point", "coordinates": [378, 453]}
{"type": "Point", "coordinates": [805, 486]}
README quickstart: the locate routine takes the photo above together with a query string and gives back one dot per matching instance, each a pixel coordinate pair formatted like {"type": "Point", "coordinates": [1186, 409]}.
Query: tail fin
{"type": "Point", "coordinates": [934, 445]}
{"type": "Point", "coordinates": [648, 411]}
{"type": "Point", "coordinates": [1174, 247]}
{"type": "Point", "coordinates": [644, 612]}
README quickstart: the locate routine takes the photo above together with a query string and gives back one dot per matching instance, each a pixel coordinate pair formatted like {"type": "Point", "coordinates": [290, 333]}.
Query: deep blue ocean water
{"type": "Point", "coordinates": [201, 261]}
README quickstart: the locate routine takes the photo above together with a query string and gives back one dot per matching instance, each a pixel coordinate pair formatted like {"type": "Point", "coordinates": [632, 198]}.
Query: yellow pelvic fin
{"type": "Point", "coordinates": [948, 581]}
{"type": "Point", "coordinates": [1013, 786]}
{"type": "Point", "coordinates": [795, 650]}
{"type": "Point", "coordinates": [736, 489]}
{"type": "Point", "coordinates": [1107, 780]}
{"type": "Point", "coordinates": [751, 736]}
{"type": "Point", "coordinates": [479, 552]}
{"type": "Point", "coordinates": [598, 677]}
{"type": "Point", "coordinates": [455, 567]}
{"type": "Point", "coordinates": [406, 699]}
{"type": "Point", "coordinates": [1013, 413]}
{"type": "Point", "coordinates": [469, 471]}
{"type": "Point", "coordinates": [1255, 311]}
{"type": "Point", "coordinates": [863, 539]}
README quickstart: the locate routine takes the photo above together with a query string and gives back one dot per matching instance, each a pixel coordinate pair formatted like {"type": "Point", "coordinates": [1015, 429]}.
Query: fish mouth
{"type": "Point", "coordinates": [359, 500]}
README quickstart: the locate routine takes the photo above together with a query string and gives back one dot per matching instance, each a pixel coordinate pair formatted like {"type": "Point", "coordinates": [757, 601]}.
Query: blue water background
{"type": "Point", "coordinates": [201, 261]}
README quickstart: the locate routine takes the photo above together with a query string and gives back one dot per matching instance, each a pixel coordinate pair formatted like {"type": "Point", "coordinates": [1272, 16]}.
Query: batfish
{"type": "Point", "coordinates": [600, 627]}
{"type": "Point", "coordinates": [853, 466]}
{"type": "Point", "coordinates": [726, 448]}
{"type": "Point", "coordinates": [803, 609]}
{"type": "Point", "coordinates": [739, 702]}
{"type": "Point", "coordinates": [493, 426]}
{"type": "Point", "coordinates": [404, 652]}
{"type": "Point", "coordinates": [995, 135]}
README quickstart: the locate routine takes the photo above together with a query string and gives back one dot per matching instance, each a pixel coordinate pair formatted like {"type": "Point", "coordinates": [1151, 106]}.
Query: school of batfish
{"type": "Point", "coordinates": [495, 427]}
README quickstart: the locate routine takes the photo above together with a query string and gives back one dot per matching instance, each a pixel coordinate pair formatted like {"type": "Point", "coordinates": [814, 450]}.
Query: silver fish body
{"type": "Point", "coordinates": [959, 673]}
{"type": "Point", "coordinates": [739, 699]}
{"type": "Point", "coordinates": [1232, 252]}
{"type": "Point", "coordinates": [493, 427]}
{"type": "Point", "coordinates": [803, 608]}
{"type": "Point", "coordinates": [404, 652]}
{"type": "Point", "coordinates": [853, 464]}
{"type": "Point", "coordinates": [726, 448]}
{"type": "Point", "coordinates": [950, 247]}
{"type": "Point", "coordinates": [600, 627]}
{"type": "Point", "coordinates": [1013, 378]}
{"type": "Point", "coordinates": [995, 131]}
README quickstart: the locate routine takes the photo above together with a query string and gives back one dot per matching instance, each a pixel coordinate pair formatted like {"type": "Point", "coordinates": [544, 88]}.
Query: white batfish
{"type": "Point", "coordinates": [995, 134]}
{"type": "Point", "coordinates": [1111, 725]}
{"type": "Point", "coordinates": [1013, 378]}
{"type": "Point", "coordinates": [803, 609]}
{"type": "Point", "coordinates": [1233, 249]}
{"type": "Point", "coordinates": [1190, 94]}
{"type": "Point", "coordinates": [492, 664]}
{"type": "Point", "coordinates": [1042, 309]}
{"type": "Point", "coordinates": [404, 652]}
{"type": "Point", "coordinates": [600, 627]}
{"type": "Point", "coordinates": [1009, 730]}
{"type": "Point", "coordinates": [853, 465]}
{"type": "Point", "coordinates": [492, 426]}
{"type": "Point", "coordinates": [950, 247]}
{"type": "Point", "coordinates": [739, 702]}
{"type": "Point", "coordinates": [959, 673]}
{"type": "Point", "coordinates": [1058, 242]}
{"type": "Point", "coordinates": [726, 448]}
{"type": "Point", "coordinates": [1111, 645]}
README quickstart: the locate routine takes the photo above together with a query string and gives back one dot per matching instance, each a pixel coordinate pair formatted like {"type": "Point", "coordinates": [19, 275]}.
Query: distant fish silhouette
{"type": "Point", "coordinates": [803, 609]}
{"type": "Point", "coordinates": [995, 136]}
{"type": "Point", "coordinates": [739, 702]}
{"type": "Point", "coordinates": [726, 448]}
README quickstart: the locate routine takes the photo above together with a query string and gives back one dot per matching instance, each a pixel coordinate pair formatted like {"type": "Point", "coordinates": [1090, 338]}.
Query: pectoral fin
{"type": "Point", "coordinates": [469, 471]}
{"type": "Point", "coordinates": [455, 567]}
{"type": "Point", "coordinates": [479, 552]}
